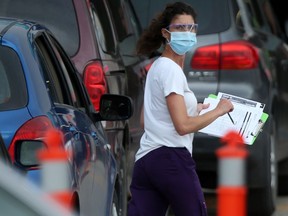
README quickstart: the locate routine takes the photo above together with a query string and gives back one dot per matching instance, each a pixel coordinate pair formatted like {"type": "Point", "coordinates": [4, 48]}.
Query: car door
{"type": "Point", "coordinates": [99, 157]}
{"type": "Point", "coordinates": [90, 158]}
{"type": "Point", "coordinates": [271, 37]}
{"type": "Point", "coordinates": [128, 31]}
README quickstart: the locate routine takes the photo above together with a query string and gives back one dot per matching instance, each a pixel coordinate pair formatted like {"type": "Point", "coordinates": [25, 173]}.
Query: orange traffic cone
{"type": "Point", "coordinates": [232, 190]}
{"type": "Point", "coordinates": [55, 170]}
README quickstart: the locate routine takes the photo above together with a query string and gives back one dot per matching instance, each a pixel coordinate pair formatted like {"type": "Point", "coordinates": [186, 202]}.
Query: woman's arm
{"type": "Point", "coordinates": [185, 124]}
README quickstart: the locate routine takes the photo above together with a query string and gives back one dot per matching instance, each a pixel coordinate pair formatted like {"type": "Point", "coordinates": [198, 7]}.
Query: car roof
{"type": "Point", "coordinates": [4, 23]}
{"type": "Point", "coordinates": [18, 25]}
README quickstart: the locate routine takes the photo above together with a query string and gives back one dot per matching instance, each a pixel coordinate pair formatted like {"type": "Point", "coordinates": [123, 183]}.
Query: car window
{"type": "Point", "coordinates": [254, 14]}
{"type": "Point", "coordinates": [133, 18]}
{"type": "Point", "coordinates": [271, 19]}
{"type": "Point", "coordinates": [262, 17]}
{"type": "Point", "coordinates": [102, 25]}
{"type": "Point", "coordinates": [212, 16]}
{"type": "Point", "coordinates": [127, 29]}
{"type": "Point", "coordinates": [58, 16]}
{"type": "Point", "coordinates": [72, 79]}
{"type": "Point", "coordinates": [52, 80]}
{"type": "Point", "coordinates": [13, 93]}
{"type": "Point", "coordinates": [62, 80]}
{"type": "Point", "coordinates": [120, 18]}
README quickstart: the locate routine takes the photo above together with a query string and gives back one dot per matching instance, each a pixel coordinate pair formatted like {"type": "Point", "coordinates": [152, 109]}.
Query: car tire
{"type": "Point", "coordinates": [75, 204]}
{"type": "Point", "coordinates": [283, 185]}
{"type": "Point", "coordinates": [122, 193]}
{"type": "Point", "coordinates": [119, 202]}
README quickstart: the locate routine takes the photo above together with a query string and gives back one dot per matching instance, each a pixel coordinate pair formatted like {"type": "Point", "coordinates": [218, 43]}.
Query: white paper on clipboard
{"type": "Point", "coordinates": [246, 116]}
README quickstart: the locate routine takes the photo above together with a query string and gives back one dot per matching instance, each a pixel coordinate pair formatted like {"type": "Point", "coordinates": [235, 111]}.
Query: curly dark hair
{"type": "Point", "coordinates": [151, 38]}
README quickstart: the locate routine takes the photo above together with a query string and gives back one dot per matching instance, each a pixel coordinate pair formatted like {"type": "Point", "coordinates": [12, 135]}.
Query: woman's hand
{"type": "Point", "coordinates": [224, 106]}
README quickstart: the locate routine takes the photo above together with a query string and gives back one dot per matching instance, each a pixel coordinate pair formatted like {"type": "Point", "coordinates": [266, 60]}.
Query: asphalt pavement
{"type": "Point", "coordinates": [281, 206]}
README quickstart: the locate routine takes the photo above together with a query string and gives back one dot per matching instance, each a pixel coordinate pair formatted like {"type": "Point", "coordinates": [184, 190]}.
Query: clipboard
{"type": "Point", "coordinates": [259, 127]}
{"type": "Point", "coordinates": [248, 116]}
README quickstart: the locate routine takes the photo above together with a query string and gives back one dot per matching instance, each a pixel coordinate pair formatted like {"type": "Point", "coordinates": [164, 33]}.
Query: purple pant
{"type": "Point", "coordinates": [166, 176]}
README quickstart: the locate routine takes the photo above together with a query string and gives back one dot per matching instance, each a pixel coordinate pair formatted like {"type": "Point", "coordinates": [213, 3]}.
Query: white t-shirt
{"type": "Point", "coordinates": [163, 78]}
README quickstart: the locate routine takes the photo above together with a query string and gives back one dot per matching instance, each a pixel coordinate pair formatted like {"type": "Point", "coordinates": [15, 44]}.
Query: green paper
{"type": "Point", "coordinates": [212, 96]}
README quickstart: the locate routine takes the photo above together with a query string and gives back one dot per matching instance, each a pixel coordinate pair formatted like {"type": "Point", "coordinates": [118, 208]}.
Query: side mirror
{"type": "Point", "coordinates": [115, 107]}
{"type": "Point", "coordinates": [26, 154]}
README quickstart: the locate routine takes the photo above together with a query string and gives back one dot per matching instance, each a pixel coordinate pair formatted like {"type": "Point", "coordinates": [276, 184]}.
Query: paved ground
{"type": "Point", "coordinates": [281, 207]}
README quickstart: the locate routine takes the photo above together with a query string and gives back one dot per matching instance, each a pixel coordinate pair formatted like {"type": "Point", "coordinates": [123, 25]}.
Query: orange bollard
{"type": "Point", "coordinates": [55, 170]}
{"type": "Point", "coordinates": [231, 189]}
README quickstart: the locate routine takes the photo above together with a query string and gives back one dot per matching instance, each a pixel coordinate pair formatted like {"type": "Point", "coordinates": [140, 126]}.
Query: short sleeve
{"type": "Point", "coordinates": [173, 80]}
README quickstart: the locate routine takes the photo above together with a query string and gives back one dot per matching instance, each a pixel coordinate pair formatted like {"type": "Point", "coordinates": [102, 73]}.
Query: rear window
{"type": "Point", "coordinates": [121, 18]}
{"type": "Point", "coordinates": [102, 25]}
{"type": "Point", "coordinates": [127, 27]}
{"type": "Point", "coordinates": [212, 16]}
{"type": "Point", "coordinates": [58, 16]}
{"type": "Point", "coordinates": [13, 94]}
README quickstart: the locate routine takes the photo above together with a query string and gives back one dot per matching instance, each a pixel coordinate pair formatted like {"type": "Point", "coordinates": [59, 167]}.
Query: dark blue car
{"type": "Point", "coordinates": [40, 90]}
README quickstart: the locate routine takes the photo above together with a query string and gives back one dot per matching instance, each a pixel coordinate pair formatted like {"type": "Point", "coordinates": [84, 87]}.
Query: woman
{"type": "Point", "coordinates": [164, 172]}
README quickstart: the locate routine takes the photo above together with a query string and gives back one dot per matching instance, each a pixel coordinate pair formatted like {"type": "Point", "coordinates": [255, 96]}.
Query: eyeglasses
{"type": "Point", "coordinates": [184, 27]}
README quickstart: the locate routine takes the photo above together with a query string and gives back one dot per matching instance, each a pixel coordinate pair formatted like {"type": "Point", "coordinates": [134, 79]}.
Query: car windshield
{"type": "Point", "coordinates": [13, 94]}
{"type": "Point", "coordinates": [212, 16]}
{"type": "Point", "coordinates": [58, 16]}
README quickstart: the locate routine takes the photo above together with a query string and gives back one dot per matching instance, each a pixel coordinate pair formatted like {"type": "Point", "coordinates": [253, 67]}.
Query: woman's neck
{"type": "Point", "coordinates": [169, 53]}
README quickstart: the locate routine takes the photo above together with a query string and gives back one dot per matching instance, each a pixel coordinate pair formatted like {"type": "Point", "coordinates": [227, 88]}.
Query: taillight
{"type": "Point", "coordinates": [28, 140]}
{"type": "Point", "coordinates": [233, 55]}
{"type": "Point", "coordinates": [94, 80]}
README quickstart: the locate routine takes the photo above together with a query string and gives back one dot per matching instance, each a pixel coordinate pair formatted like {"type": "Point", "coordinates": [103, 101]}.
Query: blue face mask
{"type": "Point", "coordinates": [181, 42]}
